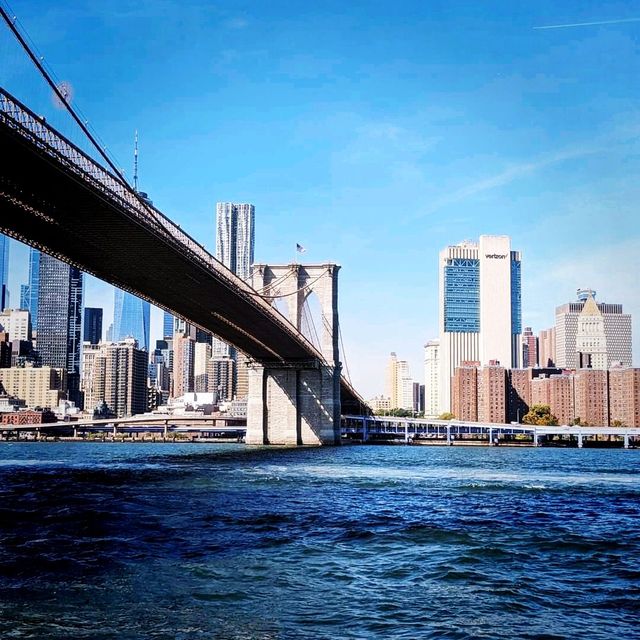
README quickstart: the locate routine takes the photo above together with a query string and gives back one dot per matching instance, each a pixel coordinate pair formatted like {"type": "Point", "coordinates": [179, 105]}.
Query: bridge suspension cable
{"type": "Point", "coordinates": [291, 293]}
{"type": "Point", "coordinates": [38, 62]}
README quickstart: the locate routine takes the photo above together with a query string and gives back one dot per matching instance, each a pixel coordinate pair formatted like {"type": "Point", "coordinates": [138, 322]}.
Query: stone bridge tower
{"type": "Point", "coordinates": [298, 402]}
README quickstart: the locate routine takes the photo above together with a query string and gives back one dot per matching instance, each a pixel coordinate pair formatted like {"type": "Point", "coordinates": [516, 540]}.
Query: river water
{"type": "Point", "coordinates": [202, 541]}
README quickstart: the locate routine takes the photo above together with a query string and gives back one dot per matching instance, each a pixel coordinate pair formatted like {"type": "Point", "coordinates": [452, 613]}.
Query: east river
{"type": "Point", "coordinates": [203, 541]}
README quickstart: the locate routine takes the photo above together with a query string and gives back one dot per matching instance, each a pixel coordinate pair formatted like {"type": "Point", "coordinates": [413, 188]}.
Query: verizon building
{"type": "Point", "coordinates": [480, 307]}
{"type": "Point", "coordinates": [589, 327]}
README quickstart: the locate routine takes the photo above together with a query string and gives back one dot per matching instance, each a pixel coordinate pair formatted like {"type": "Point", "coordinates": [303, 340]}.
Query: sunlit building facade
{"type": "Point", "coordinates": [480, 311]}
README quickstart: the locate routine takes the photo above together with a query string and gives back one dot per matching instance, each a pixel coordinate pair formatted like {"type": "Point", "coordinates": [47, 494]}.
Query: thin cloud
{"type": "Point", "coordinates": [505, 177]}
{"type": "Point", "coordinates": [587, 24]}
{"type": "Point", "coordinates": [236, 23]}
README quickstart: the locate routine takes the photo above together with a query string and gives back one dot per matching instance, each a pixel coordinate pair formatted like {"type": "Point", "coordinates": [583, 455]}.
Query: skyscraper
{"type": "Point", "coordinates": [92, 325]}
{"type": "Point", "coordinates": [131, 318]}
{"type": "Point", "coordinates": [34, 285]}
{"type": "Point", "coordinates": [591, 340]}
{"type": "Point", "coordinates": [168, 325]}
{"type": "Point", "coordinates": [183, 364]}
{"type": "Point", "coordinates": [201, 357]}
{"type": "Point", "coordinates": [617, 331]}
{"type": "Point", "coordinates": [60, 318]}
{"type": "Point", "coordinates": [480, 307]}
{"type": "Point", "coordinates": [24, 296]}
{"type": "Point", "coordinates": [4, 272]}
{"type": "Point", "coordinates": [235, 239]}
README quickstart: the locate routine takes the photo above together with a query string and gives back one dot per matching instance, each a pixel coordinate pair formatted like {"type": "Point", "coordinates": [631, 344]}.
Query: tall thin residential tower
{"type": "Point", "coordinates": [235, 239]}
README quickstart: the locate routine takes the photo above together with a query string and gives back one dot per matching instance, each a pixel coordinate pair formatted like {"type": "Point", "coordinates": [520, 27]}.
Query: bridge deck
{"type": "Point", "coordinates": [57, 199]}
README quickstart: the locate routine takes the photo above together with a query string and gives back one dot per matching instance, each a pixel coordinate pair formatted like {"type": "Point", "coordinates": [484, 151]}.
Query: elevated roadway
{"type": "Point", "coordinates": [56, 198]}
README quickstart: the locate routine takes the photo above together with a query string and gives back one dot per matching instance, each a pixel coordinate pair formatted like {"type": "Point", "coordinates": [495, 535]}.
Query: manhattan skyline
{"type": "Point", "coordinates": [379, 154]}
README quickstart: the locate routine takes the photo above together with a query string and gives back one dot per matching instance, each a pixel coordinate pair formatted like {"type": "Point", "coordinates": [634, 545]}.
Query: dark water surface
{"type": "Point", "coordinates": [197, 541]}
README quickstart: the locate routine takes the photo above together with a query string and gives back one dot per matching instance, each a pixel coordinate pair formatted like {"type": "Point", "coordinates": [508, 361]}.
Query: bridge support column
{"type": "Point", "coordinates": [580, 440]}
{"type": "Point", "coordinates": [365, 430]}
{"type": "Point", "coordinates": [626, 440]}
{"type": "Point", "coordinates": [293, 404]}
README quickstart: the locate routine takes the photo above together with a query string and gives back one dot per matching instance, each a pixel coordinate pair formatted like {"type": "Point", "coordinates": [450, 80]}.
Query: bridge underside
{"type": "Point", "coordinates": [46, 206]}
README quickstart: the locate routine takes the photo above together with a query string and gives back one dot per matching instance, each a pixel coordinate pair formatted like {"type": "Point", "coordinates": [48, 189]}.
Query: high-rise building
{"type": "Point", "coordinates": [92, 325]}
{"type": "Point", "coordinates": [617, 331]}
{"type": "Point", "coordinates": [418, 397]}
{"type": "Point", "coordinates": [591, 340]}
{"type": "Point", "coordinates": [183, 363]}
{"type": "Point", "coordinates": [492, 394]}
{"type": "Point", "coordinates": [432, 379]}
{"type": "Point", "coordinates": [220, 374]}
{"type": "Point", "coordinates": [34, 285]}
{"type": "Point", "coordinates": [115, 374]}
{"type": "Point", "coordinates": [24, 296]}
{"type": "Point", "coordinates": [464, 392]}
{"type": "Point", "coordinates": [4, 271]}
{"type": "Point", "coordinates": [42, 387]}
{"type": "Point", "coordinates": [480, 307]}
{"type": "Point", "coordinates": [235, 237]}
{"type": "Point", "coordinates": [519, 391]}
{"type": "Point", "coordinates": [547, 347]}
{"type": "Point", "coordinates": [242, 376]}
{"type": "Point", "coordinates": [59, 319]}
{"type": "Point", "coordinates": [201, 357]}
{"type": "Point", "coordinates": [399, 383]}
{"type": "Point", "coordinates": [131, 318]}
{"type": "Point", "coordinates": [624, 397]}
{"type": "Point", "coordinates": [168, 325]}
{"type": "Point", "coordinates": [5, 350]}
{"type": "Point", "coordinates": [235, 240]}
{"type": "Point", "coordinates": [591, 389]}
{"type": "Point", "coordinates": [529, 349]}
{"type": "Point", "coordinates": [160, 365]}
{"type": "Point", "coordinates": [17, 323]}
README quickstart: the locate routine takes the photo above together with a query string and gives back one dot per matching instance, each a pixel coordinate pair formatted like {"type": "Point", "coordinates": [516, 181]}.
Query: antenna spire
{"type": "Point", "coordinates": [135, 161]}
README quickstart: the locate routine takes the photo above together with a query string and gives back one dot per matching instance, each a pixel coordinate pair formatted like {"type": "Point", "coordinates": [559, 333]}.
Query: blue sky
{"type": "Point", "coordinates": [374, 134]}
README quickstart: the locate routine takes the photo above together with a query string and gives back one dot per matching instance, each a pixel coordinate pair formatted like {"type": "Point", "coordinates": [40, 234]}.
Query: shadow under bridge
{"type": "Point", "coordinates": [57, 199]}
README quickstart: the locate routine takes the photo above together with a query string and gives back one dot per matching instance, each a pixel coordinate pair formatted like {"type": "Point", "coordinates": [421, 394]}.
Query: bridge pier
{"type": "Point", "coordinates": [297, 404]}
{"type": "Point", "coordinates": [580, 440]}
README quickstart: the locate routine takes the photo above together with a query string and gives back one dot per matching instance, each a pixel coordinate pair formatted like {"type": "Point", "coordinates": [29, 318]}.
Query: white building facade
{"type": "Point", "coordinates": [432, 379]}
{"type": "Point", "coordinates": [480, 309]}
{"type": "Point", "coordinates": [16, 323]}
{"type": "Point", "coordinates": [617, 332]}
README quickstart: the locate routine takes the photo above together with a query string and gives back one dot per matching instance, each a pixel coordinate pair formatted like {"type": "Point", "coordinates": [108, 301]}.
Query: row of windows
{"type": "Point", "coordinates": [462, 295]}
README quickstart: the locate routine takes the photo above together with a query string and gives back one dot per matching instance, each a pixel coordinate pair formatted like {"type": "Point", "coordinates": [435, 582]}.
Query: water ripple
{"type": "Point", "coordinates": [184, 541]}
